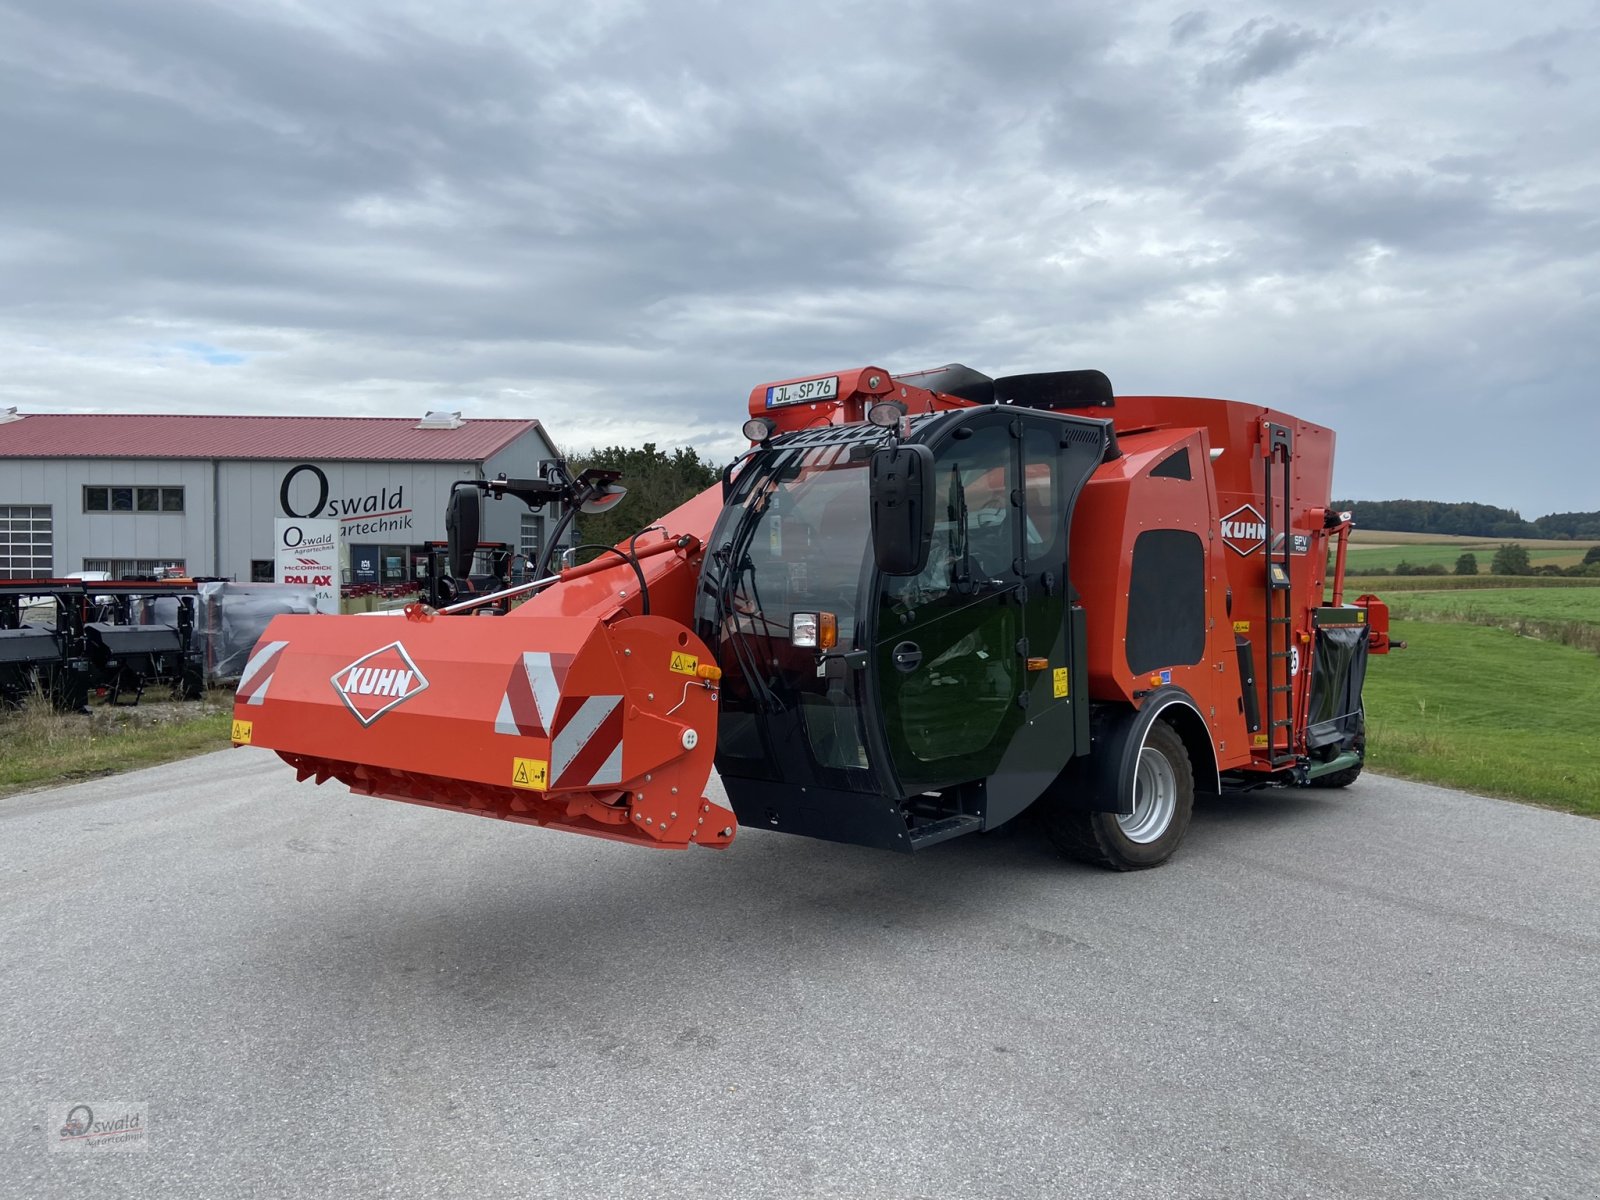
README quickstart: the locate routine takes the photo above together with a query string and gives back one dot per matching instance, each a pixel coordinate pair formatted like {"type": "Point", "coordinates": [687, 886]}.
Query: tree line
{"type": "Point", "coordinates": [657, 482]}
{"type": "Point", "coordinates": [1467, 519]}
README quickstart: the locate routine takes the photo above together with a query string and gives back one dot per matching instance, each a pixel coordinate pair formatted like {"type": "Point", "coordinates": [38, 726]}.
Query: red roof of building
{"type": "Point", "coordinates": [126, 435]}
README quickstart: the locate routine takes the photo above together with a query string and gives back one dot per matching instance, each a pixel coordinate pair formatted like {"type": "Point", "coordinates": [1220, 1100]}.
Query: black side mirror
{"type": "Point", "coordinates": [902, 508]}
{"type": "Point", "coordinates": [462, 517]}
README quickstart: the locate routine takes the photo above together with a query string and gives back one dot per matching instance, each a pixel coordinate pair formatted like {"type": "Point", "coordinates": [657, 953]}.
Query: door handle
{"type": "Point", "coordinates": [907, 657]}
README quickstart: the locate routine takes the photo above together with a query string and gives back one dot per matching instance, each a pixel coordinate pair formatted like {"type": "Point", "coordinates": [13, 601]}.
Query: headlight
{"type": "Point", "coordinates": [814, 630]}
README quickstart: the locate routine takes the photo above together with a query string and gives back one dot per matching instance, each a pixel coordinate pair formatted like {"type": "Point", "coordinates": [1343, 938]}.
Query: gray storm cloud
{"type": "Point", "coordinates": [619, 218]}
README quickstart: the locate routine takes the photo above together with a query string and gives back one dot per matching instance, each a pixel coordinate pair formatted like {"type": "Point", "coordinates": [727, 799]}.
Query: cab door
{"type": "Point", "coordinates": [1057, 455]}
{"type": "Point", "coordinates": [978, 678]}
{"type": "Point", "coordinates": [947, 667]}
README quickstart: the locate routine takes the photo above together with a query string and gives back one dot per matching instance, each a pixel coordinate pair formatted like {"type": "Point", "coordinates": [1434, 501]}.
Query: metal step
{"type": "Point", "coordinates": [943, 831]}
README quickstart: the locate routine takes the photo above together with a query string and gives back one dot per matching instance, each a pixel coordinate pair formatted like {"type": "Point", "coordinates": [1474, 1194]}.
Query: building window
{"type": "Point", "coordinates": [26, 547]}
{"type": "Point", "coordinates": [528, 543]}
{"type": "Point", "coordinates": [100, 497]}
{"type": "Point", "coordinates": [138, 568]}
{"type": "Point", "coordinates": [395, 562]}
{"type": "Point", "coordinates": [262, 570]}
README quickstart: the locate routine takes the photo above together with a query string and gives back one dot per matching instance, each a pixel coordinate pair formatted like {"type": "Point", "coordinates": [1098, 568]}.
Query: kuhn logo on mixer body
{"type": "Point", "coordinates": [378, 681]}
{"type": "Point", "coordinates": [1244, 530]}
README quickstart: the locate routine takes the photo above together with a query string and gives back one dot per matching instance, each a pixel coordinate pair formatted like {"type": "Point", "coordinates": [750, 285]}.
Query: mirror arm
{"type": "Point", "coordinates": [535, 493]}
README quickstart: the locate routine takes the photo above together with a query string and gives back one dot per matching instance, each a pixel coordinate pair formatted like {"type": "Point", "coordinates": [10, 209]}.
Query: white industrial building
{"type": "Point", "coordinates": [134, 494]}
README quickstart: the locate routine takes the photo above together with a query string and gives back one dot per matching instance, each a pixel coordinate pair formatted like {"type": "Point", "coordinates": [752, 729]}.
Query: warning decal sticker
{"type": "Point", "coordinates": [530, 773]}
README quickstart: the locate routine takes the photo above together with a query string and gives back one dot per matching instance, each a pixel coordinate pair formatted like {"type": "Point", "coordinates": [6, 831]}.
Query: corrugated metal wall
{"type": "Point", "coordinates": [388, 503]}
{"type": "Point", "coordinates": [80, 535]}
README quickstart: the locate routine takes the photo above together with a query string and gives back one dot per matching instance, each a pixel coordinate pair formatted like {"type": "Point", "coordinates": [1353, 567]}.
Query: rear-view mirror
{"type": "Point", "coordinates": [604, 500]}
{"type": "Point", "coordinates": [902, 508]}
{"type": "Point", "coordinates": [462, 518]}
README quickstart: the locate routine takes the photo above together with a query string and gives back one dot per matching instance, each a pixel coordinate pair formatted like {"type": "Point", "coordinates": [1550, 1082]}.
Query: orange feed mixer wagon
{"type": "Point", "coordinates": [917, 606]}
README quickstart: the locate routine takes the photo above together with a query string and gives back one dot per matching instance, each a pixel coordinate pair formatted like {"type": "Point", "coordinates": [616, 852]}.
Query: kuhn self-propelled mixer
{"type": "Point", "coordinates": [916, 606]}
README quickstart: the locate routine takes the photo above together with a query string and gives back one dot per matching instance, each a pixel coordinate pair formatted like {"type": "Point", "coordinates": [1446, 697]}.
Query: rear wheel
{"type": "Point", "coordinates": [1338, 779]}
{"type": "Point", "coordinates": [1344, 778]}
{"type": "Point", "coordinates": [1163, 800]}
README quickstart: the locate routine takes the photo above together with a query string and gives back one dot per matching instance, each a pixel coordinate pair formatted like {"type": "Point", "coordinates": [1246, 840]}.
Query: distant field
{"type": "Point", "coordinates": [1371, 549]}
{"type": "Point", "coordinates": [1367, 558]}
{"type": "Point", "coordinates": [1486, 710]}
{"type": "Point", "coordinates": [1385, 585]}
{"type": "Point", "coordinates": [1379, 537]}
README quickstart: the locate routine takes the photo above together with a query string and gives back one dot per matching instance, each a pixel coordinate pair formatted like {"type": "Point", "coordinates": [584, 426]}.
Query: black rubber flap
{"type": "Point", "coordinates": [1056, 390]}
{"type": "Point", "coordinates": [953, 379]}
{"type": "Point", "coordinates": [1338, 670]}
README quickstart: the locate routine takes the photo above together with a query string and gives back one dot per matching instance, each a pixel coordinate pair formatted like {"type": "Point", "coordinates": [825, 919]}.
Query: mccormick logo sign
{"type": "Point", "coordinates": [1244, 530]}
{"type": "Point", "coordinates": [309, 557]}
{"type": "Point", "coordinates": [376, 682]}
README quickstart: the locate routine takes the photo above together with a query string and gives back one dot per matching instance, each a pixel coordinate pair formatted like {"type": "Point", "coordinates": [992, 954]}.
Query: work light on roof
{"type": "Point", "coordinates": [885, 414]}
{"type": "Point", "coordinates": [759, 429]}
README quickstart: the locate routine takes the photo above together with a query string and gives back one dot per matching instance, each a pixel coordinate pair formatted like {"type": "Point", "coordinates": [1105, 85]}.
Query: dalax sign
{"type": "Point", "coordinates": [309, 554]}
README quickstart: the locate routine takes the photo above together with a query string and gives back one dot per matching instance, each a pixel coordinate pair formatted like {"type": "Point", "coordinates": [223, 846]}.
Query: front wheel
{"type": "Point", "coordinates": [1163, 800]}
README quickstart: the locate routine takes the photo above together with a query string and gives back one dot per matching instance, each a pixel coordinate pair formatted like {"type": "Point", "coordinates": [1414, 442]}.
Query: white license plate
{"type": "Point", "coordinates": [805, 392]}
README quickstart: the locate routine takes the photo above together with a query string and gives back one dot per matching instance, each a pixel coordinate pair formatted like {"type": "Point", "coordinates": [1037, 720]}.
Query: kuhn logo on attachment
{"type": "Point", "coordinates": [1244, 530]}
{"type": "Point", "coordinates": [376, 682]}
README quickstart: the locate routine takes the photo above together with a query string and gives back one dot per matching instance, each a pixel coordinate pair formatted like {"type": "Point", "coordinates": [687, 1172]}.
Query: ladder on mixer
{"type": "Point", "coordinates": [1279, 454]}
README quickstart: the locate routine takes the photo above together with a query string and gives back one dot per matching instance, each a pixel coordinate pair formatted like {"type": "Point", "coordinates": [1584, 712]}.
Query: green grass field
{"type": "Point", "coordinates": [1568, 617]}
{"type": "Point", "coordinates": [1483, 709]}
{"type": "Point", "coordinates": [39, 747]}
{"type": "Point", "coordinates": [1502, 604]}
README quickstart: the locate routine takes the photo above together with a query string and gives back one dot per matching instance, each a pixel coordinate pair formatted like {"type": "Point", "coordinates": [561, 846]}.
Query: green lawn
{"type": "Point", "coordinates": [1483, 709]}
{"type": "Point", "coordinates": [40, 747]}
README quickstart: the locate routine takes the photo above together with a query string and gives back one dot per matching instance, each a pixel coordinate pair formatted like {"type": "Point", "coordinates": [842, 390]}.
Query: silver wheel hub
{"type": "Point", "coordinates": [1155, 799]}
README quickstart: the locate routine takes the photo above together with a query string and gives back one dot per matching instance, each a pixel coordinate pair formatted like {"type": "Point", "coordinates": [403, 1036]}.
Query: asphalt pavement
{"type": "Point", "coordinates": [1382, 993]}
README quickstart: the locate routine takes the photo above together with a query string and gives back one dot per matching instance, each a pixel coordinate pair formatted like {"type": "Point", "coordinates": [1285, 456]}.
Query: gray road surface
{"type": "Point", "coordinates": [1386, 993]}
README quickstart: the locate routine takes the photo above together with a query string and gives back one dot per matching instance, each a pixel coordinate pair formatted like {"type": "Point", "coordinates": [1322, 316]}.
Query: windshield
{"type": "Point", "coordinates": [794, 540]}
{"type": "Point", "coordinates": [804, 544]}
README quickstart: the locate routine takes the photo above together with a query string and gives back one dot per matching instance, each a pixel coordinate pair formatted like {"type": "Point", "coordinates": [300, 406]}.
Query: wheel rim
{"type": "Point", "coordinates": [1155, 798]}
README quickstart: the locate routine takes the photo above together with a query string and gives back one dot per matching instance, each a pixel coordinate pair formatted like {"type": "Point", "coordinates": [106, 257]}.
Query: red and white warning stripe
{"type": "Point", "coordinates": [586, 747]}
{"type": "Point", "coordinates": [529, 704]}
{"type": "Point", "coordinates": [585, 732]}
{"type": "Point", "coordinates": [257, 674]}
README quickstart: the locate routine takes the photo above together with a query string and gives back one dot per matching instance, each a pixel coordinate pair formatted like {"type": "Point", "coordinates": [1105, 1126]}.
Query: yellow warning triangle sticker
{"type": "Point", "coordinates": [530, 773]}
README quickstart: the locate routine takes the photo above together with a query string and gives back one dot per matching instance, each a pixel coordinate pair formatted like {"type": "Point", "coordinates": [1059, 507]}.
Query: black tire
{"type": "Point", "coordinates": [1102, 839]}
{"type": "Point", "coordinates": [1344, 778]}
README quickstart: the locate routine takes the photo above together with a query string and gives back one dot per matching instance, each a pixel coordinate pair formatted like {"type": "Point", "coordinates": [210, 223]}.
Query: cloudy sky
{"type": "Point", "coordinates": [620, 216]}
